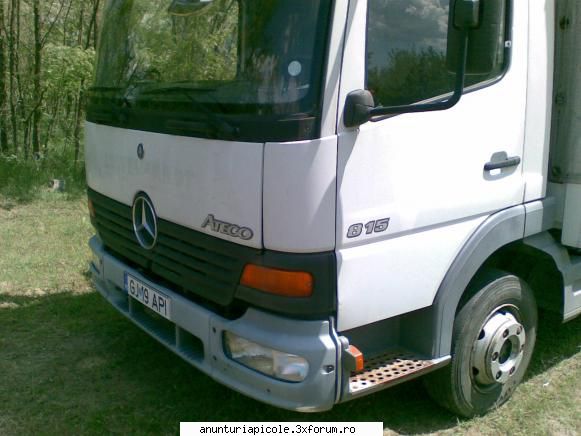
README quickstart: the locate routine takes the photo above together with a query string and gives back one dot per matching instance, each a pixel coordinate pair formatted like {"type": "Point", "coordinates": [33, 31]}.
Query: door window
{"type": "Point", "coordinates": [406, 52]}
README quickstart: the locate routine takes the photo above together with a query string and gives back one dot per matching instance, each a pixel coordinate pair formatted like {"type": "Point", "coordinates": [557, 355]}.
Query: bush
{"type": "Point", "coordinates": [22, 180]}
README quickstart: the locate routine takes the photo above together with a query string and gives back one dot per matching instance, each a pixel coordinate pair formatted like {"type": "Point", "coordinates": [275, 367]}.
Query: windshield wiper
{"type": "Point", "coordinates": [129, 95]}
{"type": "Point", "coordinates": [105, 88]}
{"type": "Point", "coordinates": [165, 89]}
{"type": "Point", "coordinates": [218, 123]}
{"type": "Point", "coordinates": [124, 97]}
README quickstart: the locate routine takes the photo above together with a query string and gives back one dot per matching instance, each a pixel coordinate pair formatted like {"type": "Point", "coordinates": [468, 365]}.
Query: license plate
{"type": "Point", "coordinates": [148, 296]}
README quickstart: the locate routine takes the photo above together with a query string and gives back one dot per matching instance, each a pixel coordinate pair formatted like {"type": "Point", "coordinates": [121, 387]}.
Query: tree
{"type": "Point", "coordinates": [411, 76]}
{"type": "Point", "coordinates": [37, 94]}
{"type": "Point", "coordinates": [3, 90]}
{"type": "Point", "coordinates": [40, 111]}
{"type": "Point", "coordinates": [12, 47]}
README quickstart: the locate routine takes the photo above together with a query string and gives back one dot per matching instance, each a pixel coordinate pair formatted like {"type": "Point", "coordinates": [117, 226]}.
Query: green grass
{"type": "Point", "coordinates": [43, 248]}
{"type": "Point", "coordinates": [70, 364]}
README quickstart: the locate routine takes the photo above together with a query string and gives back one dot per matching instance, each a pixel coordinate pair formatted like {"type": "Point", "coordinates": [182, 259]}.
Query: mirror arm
{"type": "Point", "coordinates": [380, 113]}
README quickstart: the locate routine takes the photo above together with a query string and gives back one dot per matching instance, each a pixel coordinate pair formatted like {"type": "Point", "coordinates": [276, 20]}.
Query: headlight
{"type": "Point", "coordinates": [283, 366]}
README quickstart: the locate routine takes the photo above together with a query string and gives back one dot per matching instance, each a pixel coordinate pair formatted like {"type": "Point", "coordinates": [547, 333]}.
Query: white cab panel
{"type": "Point", "coordinates": [299, 195]}
{"type": "Point", "coordinates": [398, 275]}
{"type": "Point", "coordinates": [186, 178]}
{"type": "Point", "coordinates": [331, 91]}
{"type": "Point", "coordinates": [425, 172]}
{"type": "Point", "coordinates": [539, 97]}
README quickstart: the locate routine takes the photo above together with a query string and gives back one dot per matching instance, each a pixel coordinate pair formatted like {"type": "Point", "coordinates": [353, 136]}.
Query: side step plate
{"type": "Point", "coordinates": [389, 369]}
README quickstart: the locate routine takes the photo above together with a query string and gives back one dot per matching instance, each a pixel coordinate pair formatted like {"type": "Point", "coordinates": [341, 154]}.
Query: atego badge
{"type": "Point", "coordinates": [225, 228]}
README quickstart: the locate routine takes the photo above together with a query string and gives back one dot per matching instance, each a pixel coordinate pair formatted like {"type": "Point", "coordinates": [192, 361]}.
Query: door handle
{"type": "Point", "coordinates": [505, 163]}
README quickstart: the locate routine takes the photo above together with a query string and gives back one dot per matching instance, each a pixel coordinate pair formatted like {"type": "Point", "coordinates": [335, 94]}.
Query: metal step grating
{"type": "Point", "coordinates": [388, 369]}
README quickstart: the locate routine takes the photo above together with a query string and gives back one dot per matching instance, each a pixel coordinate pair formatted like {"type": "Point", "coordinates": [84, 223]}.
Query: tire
{"type": "Point", "coordinates": [492, 344]}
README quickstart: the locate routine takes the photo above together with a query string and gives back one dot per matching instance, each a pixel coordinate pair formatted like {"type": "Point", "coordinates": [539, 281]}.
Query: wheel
{"type": "Point", "coordinates": [493, 340]}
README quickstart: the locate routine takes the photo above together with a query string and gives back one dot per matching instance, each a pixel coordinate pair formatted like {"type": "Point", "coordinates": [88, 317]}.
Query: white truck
{"type": "Point", "coordinates": [313, 200]}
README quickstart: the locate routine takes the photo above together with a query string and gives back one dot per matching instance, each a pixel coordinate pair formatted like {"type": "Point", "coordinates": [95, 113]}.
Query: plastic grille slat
{"type": "Point", "coordinates": [196, 263]}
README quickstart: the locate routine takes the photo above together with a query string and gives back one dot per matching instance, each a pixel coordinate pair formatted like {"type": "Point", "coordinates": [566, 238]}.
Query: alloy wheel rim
{"type": "Point", "coordinates": [499, 348]}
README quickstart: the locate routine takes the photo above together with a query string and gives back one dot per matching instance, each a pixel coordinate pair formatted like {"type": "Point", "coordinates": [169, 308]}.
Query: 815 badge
{"type": "Point", "coordinates": [376, 226]}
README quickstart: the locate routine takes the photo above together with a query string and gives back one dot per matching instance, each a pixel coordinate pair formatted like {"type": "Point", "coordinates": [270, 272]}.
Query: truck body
{"type": "Point", "coordinates": [313, 200]}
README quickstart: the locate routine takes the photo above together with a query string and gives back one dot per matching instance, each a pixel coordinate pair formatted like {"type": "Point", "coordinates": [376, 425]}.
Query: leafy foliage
{"type": "Point", "coordinates": [47, 52]}
{"type": "Point", "coordinates": [23, 180]}
{"type": "Point", "coordinates": [67, 69]}
{"type": "Point", "coordinates": [202, 46]}
{"type": "Point", "coordinates": [411, 76]}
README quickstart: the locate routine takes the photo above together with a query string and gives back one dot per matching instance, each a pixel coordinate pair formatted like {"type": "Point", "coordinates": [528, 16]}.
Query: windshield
{"type": "Point", "coordinates": [250, 69]}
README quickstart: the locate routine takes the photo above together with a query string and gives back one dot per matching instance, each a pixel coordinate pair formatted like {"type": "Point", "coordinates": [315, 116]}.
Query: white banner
{"type": "Point", "coordinates": [282, 428]}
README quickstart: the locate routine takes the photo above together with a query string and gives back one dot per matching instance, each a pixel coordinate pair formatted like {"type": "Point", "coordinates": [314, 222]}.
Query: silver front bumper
{"type": "Point", "coordinates": [195, 334]}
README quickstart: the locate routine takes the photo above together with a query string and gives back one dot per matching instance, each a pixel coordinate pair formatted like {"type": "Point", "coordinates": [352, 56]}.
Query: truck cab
{"type": "Point", "coordinates": [312, 200]}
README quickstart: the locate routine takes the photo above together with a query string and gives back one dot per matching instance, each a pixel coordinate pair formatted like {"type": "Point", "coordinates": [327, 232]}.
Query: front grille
{"type": "Point", "coordinates": [191, 262]}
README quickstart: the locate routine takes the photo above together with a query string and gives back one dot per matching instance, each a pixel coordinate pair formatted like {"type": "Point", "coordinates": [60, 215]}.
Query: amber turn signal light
{"type": "Point", "coordinates": [278, 281]}
{"type": "Point", "coordinates": [357, 356]}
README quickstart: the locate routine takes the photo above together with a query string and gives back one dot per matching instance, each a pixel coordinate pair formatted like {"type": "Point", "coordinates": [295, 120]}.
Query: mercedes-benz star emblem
{"type": "Point", "coordinates": [140, 152]}
{"type": "Point", "coordinates": [144, 222]}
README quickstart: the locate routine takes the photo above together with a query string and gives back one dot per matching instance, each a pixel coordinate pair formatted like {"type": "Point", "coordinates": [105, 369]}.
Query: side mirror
{"type": "Point", "coordinates": [466, 16]}
{"type": "Point", "coordinates": [358, 108]}
{"type": "Point", "coordinates": [484, 55]}
{"type": "Point", "coordinates": [184, 8]}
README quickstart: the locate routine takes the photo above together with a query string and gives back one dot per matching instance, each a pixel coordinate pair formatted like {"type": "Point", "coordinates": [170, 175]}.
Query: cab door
{"type": "Point", "coordinates": [413, 187]}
